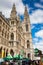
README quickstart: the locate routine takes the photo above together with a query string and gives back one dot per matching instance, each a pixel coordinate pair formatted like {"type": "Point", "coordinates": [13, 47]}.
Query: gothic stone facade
{"type": "Point", "coordinates": [15, 34]}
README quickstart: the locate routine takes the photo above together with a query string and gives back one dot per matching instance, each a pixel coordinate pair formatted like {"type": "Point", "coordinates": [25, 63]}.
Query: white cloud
{"type": "Point", "coordinates": [39, 45]}
{"type": "Point", "coordinates": [35, 39]}
{"type": "Point", "coordinates": [5, 11]}
{"type": "Point", "coordinates": [5, 5]}
{"type": "Point", "coordinates": [41, 0]}
{"type": "Point", "coordinates": [38, 5]}
{"type": "Point", "coordinates": [39, 34]}
{"type": "Point", "coordinates": [20, 8]}
{"type": "Point", "coordinates": [36, 17]}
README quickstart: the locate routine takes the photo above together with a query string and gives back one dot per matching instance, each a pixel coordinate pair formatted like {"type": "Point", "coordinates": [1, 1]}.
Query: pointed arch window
{"type": "Point", "coordinates": [12, 36]}
{"type": "Point", "coordinates": [27, 41]}
{"type": "Point", "coordinates": [28, 45]}
{"type": "Point", "coordinates": [26, 27]}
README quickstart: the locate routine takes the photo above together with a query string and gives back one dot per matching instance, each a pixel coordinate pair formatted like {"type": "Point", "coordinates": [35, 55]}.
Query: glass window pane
{"type": "Point", "coordinates": [12, 36]}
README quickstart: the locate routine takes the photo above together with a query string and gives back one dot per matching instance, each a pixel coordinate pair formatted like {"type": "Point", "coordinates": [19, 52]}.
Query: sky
{"type": "Point", "coordinates": [35, 11]}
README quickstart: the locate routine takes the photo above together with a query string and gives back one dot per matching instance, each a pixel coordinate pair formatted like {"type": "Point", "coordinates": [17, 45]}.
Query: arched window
{"type": "Point", "coordinates": [12, 36]}
{"type": "Point", "coordinates": [12, 52]}
{"type": "Point", "coordinates": [28, 55]}
{"type": "Point", "coordinates": [28, 45]}
{"type": "Point", "coordinates": [26, 27]}
{"type": "Point", "coordinates": [2, 32]}
{"type": "Point", "coordinates": [12, 23]}
{"type": "Point", "coordinates": [6, 52]}
{"type": "Point", "coordinates": [5, 34]}
{"type": "Point", "coordinates": [0, 21]}
{"type": "Point", "coordinates": [27, 41]}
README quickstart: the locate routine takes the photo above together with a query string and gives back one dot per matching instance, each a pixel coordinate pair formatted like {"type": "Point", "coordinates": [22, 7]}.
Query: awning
{"type": "Point", "coordinates": [9, 57]}
{"type": "Point", "coordinates": [18, 56]}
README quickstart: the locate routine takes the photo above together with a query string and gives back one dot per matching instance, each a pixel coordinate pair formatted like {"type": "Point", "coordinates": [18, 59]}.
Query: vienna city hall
{"type": "Point", "coordinates": [15, 35]}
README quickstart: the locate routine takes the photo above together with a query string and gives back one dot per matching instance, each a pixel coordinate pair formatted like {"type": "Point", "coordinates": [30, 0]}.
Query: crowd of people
{"type": "Point", "coordinates": [19, 62]}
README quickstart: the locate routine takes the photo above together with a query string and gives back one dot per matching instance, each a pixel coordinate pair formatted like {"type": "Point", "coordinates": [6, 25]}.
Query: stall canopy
{"type": "Point", "coordinates": [9, 57]}
{"type": "Point", "coordinates": [17, 56]}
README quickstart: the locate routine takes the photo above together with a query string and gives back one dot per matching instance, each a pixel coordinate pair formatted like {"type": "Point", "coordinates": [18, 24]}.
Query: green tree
{"type": "Point", "coordinates": [37, 52]}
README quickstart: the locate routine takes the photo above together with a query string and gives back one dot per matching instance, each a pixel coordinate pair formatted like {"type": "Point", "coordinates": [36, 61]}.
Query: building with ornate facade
{"type": "Point", "coordinates": [16, 35]}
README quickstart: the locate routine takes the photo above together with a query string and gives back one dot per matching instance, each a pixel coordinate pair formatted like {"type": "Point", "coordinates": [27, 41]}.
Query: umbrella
{"type": "Point", "coordinates": [21, 57]}
{"type": "Point", "coordinates": [15, 57]}
{"type": "Point", "coordinates": [9, 57]}
{"type": "Point", "coordinates": [18, 56]}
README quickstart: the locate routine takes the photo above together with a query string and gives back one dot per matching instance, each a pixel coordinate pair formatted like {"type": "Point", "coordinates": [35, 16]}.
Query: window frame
{"type": "Point", "coordinates": [12, 36]}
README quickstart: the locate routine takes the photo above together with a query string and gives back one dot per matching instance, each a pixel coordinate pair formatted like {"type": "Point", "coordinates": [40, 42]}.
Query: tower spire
{"type": "Point", "coordinates": [13, 12]}
{"type": "Point", "coordinates": [26, 13]}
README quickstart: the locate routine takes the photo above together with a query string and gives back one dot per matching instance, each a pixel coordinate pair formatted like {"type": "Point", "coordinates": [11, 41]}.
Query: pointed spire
{"type": "Point", "coordinates": [13, 12]}
{"type": "Point", "coordinates": [26, 13]}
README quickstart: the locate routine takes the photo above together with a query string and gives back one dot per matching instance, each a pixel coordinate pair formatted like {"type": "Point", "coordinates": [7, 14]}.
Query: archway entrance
{"type": "Point", "coordinates": [12, 52]}
{"type": "Point", "coordinates": [1, 52]}
{"type": "Point", "coordinates": [6, 52]}
{"type": "Point", "coordinates": [28, 55]}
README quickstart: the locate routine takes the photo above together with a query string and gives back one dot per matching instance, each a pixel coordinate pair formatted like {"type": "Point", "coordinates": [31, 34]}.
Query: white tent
{"type": "Point", "coordinates": [36, 58]}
